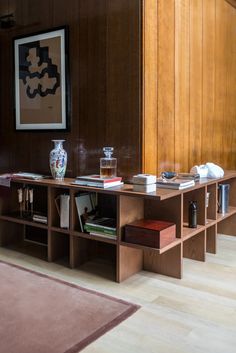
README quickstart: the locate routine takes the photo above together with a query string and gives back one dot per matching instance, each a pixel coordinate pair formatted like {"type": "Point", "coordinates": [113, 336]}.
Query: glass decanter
{"type": "Point", "coordinates": [108, 164]}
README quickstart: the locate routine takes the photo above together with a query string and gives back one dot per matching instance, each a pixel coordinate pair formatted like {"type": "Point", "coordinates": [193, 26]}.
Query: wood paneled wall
{"type": "Point", "coordinates": [153, 78]}
{"type": "Point", "coordinates": [105, 76]}
{"type": "Point", "coordinates": [190, 60]}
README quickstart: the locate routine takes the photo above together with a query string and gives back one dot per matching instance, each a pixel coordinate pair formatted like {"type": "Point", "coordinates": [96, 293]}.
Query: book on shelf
{"type": "Point", "coordinates": [40, 218]}
{"type": "Point", "coordinates": [97, 184]}
{"type": "Point", "coordinates": [177, 184]}
{"type": "Point", "coordinates": [86, 207]}
{"type": "Point", "coordinates": [103, 235]}
{"type": "Point", "coordinates": [62, 203]}
{"type": "Point", "coordinates": [96, 181]}
{"type": "Point", "coordinates": [89, 229]}
{"type": "Point", "coordinates": [31, 176]}
{"type": "Point", "coordinates": [145, 188]}
{"type": "Point", "coordinates": [96, 178]}
{"type": "Point", "coordinates": [102, 223]}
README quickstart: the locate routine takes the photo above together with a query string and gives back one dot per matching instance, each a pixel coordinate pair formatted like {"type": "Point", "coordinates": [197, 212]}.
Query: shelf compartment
{"type": "Point", "coordinates": [25, 239]}
{"type": "Point", "coordinates": [59, 247]}
{"type": "Point", "coordinates": [93, 256]}
{"type": "Point", "coordinates": [198, 195]}
{"type": "Point", "coordinates": [190, 232]}
{"type": "Point", "coordinates": [169, 210]}
{"type": "Point", "coordinates": [54, 200]}
{"type": "Point", "coordinates": [9, 202]}
{"type": "Point", "coordinates": [194, 247]}
{"type": "Point", "coordinates": [101, 206]}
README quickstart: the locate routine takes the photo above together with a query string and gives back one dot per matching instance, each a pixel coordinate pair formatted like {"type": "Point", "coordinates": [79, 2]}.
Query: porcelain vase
{"type": "Point", "coordinates": [58, 160]}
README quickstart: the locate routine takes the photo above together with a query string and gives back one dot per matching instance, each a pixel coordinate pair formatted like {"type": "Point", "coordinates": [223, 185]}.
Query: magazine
{"type": "Point", "coordinates": [86, 208]}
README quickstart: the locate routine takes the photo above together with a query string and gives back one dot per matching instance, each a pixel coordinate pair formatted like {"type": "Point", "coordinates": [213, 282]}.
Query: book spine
{"type": "Point", "coordinates": [102, 229]}
{"type": "Point", "coordinates": [103, 235]}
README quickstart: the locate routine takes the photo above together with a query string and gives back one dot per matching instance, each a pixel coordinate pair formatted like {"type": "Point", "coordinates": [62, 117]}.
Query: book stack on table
{"type": "Point", "coordinates": [177, 183]}
{"type": "Point", "coordinates": [98, 182]}
{"type": "Point", "coordinates": [103, 227]}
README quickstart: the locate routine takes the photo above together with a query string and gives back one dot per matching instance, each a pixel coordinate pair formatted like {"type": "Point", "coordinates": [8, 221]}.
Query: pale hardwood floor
{"type": "Point", "coordinates": [194, 315]}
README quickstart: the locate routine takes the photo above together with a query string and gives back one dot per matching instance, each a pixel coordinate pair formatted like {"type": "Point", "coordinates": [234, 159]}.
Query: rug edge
{"type": "Point", "coordinates": [102, 330]}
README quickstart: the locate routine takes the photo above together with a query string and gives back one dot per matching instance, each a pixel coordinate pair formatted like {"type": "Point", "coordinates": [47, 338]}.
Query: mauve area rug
{"type": "Point", "coordinates": [40, 314]}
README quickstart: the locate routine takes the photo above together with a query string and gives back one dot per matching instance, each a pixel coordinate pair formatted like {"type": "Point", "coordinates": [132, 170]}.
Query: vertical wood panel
{"type": "Point", "coordinates": [221, 28]}
{"type": "Point", "coordinates": [204, 102]}
{"type": "Point", "coordinates": [123, 77]}
{"type": "Point", "coordinates": [195, 114]}
{"type": "Point", "coordinates": [182, 91]}
{"type": "Point", "coordinates": [208, 91]}
{"type": "Point", "coordinates": [150, 75]}
{"type": "Point", "coordinates": [231, 88]}
{"type": "Point", "coordinates": [229, 134]}
{"type": "Point", "coordinates": [166, 82]}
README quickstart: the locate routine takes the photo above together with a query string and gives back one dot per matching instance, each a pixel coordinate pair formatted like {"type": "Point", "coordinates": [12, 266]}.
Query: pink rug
{"type": "Point", "coordinates": [41, 314]}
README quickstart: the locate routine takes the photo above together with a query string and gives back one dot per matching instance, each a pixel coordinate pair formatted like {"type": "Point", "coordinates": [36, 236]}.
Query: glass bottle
{"type": "Point", "coordinates": [108, 164]}
{"type": "Point", "coordinates": [192, 214]}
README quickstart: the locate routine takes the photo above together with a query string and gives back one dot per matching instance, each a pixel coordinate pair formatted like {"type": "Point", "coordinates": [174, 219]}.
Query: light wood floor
{"type": "Point", "coordinates": [194, 315]}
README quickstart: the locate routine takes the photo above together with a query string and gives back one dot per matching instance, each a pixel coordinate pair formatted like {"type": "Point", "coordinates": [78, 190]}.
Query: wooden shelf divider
{"type": "Point", "coordinates": [126, 205]}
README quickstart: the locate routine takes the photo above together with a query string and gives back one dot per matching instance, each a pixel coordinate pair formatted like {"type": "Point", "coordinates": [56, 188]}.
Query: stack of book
{"type": "Point", "coordinates": [103, 227]}
{"type": "Point", "coordinates": [98, 182]}
{"type": "Point", "coordinates": [40, 218]}
{"type": "Point", "coordinates": [177, 183]}
{"type": "Point", "coordinates": [25, 175]}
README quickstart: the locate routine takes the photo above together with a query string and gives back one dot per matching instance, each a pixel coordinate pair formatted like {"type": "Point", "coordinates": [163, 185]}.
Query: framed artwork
{"type": "Point", "coordinates": [41, 81]}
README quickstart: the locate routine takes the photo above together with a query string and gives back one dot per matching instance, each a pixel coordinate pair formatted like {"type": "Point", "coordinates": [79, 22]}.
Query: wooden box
{"type": "Point", "coordinates": [153, 233]}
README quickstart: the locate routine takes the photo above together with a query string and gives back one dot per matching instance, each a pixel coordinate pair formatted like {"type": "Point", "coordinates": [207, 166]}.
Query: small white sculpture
{"type": "Point", "coordinates": [208, 170]}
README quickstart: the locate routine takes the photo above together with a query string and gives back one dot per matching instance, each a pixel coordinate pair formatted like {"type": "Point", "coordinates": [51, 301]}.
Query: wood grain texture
{"type": "Point", "coordinates": [195, 72]}
{"type": "Point", "coordinates": [155, 79]}
{"type": "Point", "coordinates": [104, 63]}
{"type": "Point", "coordinates": [150, 95]}
{"type": "Point", "coordinates": [199, 103]}
{"type": "Point", "coordinates": [166, 81]}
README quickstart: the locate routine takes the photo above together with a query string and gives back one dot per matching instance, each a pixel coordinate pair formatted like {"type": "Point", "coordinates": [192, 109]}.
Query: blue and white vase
{"type": "Point", "coordinates": [58, 160]}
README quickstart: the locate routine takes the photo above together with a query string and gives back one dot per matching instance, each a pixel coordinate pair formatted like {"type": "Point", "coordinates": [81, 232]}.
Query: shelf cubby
{"type": "Point", "coordinates": [195, 247]}
{"type": "Point", "coordinates": [54, 200]}
{"type": "Point", "coordinates": [114, 258]}
{"type": "Point", "coordinates": [59, 247]}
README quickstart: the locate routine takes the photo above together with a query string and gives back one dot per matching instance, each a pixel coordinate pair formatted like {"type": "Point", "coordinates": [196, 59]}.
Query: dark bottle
{"type": "Point", "coordinates": [192, 214]}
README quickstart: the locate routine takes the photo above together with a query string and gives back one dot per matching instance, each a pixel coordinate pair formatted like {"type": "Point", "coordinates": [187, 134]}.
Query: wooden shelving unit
{"type": "Point", "coordinates": [74, 248]}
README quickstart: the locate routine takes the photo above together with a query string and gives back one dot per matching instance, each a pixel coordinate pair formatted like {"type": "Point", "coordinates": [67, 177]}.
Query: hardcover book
{"type": "Point", "coordinates": [96, 184]}
{"type": "Point", "coordinates": [177, 183]}
{"type": "Point", "coordinates": [97, 179]}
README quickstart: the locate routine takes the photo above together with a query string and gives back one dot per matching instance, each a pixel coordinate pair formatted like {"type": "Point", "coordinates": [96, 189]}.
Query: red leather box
{"type": "Point", "coordinates": [153, 233]}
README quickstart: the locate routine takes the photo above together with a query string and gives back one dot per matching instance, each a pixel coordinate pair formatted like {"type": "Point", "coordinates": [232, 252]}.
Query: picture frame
{"type": "Point", "coordinates": [41, 81]}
